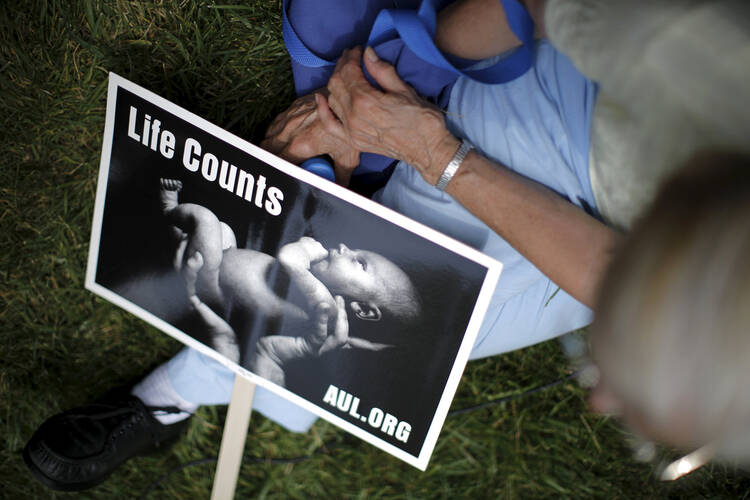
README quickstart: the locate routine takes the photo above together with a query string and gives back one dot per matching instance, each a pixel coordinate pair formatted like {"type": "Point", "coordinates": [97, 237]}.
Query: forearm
{"type": "Point", "coordinates": [477, 29]}
{"type": "Point", "coordinates": [570, 247]}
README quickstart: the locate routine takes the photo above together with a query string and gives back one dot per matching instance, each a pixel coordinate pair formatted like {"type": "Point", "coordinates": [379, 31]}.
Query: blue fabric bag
{"type": "Point", "coordinates": [402, 33]}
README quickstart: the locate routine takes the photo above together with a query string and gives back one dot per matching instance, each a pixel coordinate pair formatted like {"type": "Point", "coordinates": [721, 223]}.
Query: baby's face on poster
{"type": "Point", "coordinates": [359, 274]}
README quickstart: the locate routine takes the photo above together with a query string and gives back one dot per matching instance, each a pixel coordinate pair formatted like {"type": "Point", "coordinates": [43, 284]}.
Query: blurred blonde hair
{"type": "Point", "coordinates": [672, 330]}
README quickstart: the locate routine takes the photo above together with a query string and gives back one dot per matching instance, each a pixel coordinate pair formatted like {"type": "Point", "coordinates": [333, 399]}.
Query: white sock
{"type": "Point", "coordinates": [156, 390]}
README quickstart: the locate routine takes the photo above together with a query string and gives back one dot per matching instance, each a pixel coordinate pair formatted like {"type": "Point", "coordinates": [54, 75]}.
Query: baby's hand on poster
{"type": "Point", "coordinates": [327, 337]}
{"type": "Point", "coordinates": [302, 253]}
{"type": "Point", "coordinates": [298, 134]}
{"type": "Point", "coordinates": [395, 122]}
{"type": "Point", "coordinates": [297, 257]}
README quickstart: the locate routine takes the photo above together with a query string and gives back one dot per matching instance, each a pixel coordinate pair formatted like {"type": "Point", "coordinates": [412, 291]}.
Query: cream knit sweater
{"type": "Point", "coordinates": [674, 79]}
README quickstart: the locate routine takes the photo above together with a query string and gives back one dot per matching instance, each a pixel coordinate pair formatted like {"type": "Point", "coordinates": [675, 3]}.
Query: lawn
{"type": "Point", "coordinates": [61, 346]}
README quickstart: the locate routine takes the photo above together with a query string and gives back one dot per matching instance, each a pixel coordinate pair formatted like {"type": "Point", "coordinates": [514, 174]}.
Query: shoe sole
{"type": "Point", "coordinates": [60, 486]}
{"type": "Point", "coordinates": [53, 483]}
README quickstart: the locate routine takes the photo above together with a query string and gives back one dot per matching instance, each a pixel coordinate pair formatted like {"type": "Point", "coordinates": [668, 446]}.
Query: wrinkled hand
{"type": "Point", "coordinates": [394, 122]}
{"type": "Point", "coordinates": [298, 134]}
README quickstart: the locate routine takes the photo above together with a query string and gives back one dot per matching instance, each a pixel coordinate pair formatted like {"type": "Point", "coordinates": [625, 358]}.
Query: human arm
{"type": "Point", "coordinates": [570, 247]}
{"type": "Point", "coordinates": [565, 243]}
{"type": "Point", "coordinates": [297, 135]}
{"type": "Point", "coordinates": [477, 29]}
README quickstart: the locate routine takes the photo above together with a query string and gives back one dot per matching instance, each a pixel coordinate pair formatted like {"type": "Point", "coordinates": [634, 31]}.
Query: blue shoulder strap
{"type": "Point", "coordinates": [296, 48]}
{"type": "Point", "coordinates": [417, 30]}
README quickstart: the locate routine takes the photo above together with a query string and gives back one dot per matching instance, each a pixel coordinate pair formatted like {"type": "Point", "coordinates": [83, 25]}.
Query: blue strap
{"type": "Point", "coordinates": [417, 30]}
{"type": "Point", "coordinates": [296, 48]}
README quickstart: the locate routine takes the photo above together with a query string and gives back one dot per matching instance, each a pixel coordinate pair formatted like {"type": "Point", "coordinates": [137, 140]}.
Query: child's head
{"type": "Point", "coordinates": [372, 284]}
{"type": "Point", "coordinates": [671, 330]}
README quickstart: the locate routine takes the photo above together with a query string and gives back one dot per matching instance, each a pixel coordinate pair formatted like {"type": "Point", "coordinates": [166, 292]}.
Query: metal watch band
{"type": "Point", "coordinates": [452, 167]}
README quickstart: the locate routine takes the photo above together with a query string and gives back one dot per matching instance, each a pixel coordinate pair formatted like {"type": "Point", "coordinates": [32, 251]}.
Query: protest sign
{"type": "Point", "coordinates": [321, 295]}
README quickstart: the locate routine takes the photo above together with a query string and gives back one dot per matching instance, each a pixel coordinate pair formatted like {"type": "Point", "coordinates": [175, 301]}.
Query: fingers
{"type": "Point", "coordinates": [329, 121]}
{"type": "Point", "coordinates": [348, 57]}
{"type": "Point", "coordinates": [298, 140]}
{"type": "Point", "coordinates": [301, 133]}
{"type": "Point", "coordinates": [213, 323]}
{"type": "Point", "coordinates": [288, 124]}
{"type": "Point", "coordinates": [345, 159]}
{"type": "Point", "coordinates": [341, 331]}
{"type": "Point", "coordinates": [384, 73]}
{"type": "Point", "coordinates": [301, 106]}
{"type": "Point", "coordinates": [366, 345]}
{"type": "Point", "coordinates": [338, 95]}
{"type": "Point", "coordinates": [340, 334]}
{"type": "Point", "coordinates": [321, 314]}
{"type": "Point", "coordinates": [346, 77]}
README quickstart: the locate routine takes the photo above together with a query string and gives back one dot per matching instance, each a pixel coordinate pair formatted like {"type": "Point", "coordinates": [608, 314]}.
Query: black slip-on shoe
{"type": "Point", "coordinates": [79, 448]}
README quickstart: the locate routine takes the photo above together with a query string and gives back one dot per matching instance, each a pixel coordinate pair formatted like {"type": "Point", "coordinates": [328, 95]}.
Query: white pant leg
{"type": "Point", "coordinates": [204, 381]}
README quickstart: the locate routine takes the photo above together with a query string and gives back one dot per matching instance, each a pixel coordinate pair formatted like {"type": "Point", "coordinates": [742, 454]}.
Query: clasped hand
{"type": "Point", "coordinates": [299, 133]}
{"type": "Point", "coordinates": [356, 117]}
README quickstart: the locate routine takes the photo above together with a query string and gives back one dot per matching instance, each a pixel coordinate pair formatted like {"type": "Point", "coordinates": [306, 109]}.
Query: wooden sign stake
{"type": "Point", "coordinates": [233, 439]}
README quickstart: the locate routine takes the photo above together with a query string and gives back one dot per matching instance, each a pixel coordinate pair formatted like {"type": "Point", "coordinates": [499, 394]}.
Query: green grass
{"type": "Point", "coordinates": [60, 346]}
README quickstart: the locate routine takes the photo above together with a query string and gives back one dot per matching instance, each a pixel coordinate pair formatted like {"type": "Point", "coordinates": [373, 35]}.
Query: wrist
{"type": "Point", "coordinates": [434, 161]}
{"type": "Point", "coordinates": [454, 165]}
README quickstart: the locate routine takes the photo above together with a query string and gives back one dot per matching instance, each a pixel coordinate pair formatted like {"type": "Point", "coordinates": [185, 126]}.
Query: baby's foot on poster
{"type": "Point", "coordinates": [168, 193]}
